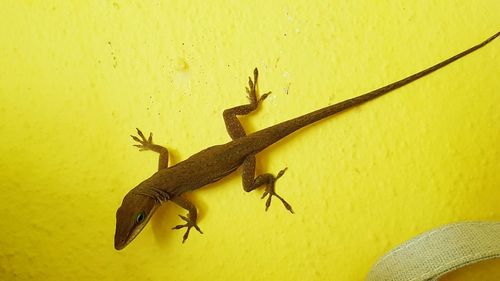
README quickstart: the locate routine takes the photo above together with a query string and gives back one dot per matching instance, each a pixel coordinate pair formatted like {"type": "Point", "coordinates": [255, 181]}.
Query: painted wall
{"type": "Point", "coordinates": [76, 78]}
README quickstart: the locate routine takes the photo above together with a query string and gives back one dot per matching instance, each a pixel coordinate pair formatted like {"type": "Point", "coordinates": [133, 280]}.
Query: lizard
{"type": "Point", "coordinates": [218, 161]}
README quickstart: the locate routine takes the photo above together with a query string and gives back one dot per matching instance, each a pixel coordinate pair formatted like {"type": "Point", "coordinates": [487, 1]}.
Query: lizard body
{"type": "Point", "coordinates": [216, 162]}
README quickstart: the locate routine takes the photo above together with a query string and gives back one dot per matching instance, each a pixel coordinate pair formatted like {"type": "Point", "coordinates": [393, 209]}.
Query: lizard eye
{"type": "Point", "coordinates": [140, 217]}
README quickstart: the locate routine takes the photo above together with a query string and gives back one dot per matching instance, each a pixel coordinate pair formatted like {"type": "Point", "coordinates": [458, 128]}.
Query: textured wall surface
{"type": "Point", "coordinates": [76, 78]}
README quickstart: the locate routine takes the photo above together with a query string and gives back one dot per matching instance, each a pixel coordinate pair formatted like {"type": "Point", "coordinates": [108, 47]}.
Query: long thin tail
{"type": "Point", "coordinates": [278, 131]}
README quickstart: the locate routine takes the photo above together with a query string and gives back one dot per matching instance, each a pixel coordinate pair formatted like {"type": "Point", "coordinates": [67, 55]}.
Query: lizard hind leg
{"type": "Point", "coordinates": [269, 180]}
{"type": "Point", "coordinates": [233, 125]}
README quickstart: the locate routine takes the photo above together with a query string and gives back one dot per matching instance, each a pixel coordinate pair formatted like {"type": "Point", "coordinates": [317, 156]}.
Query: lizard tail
{"type": "Point", "coordinates": [274, 133]}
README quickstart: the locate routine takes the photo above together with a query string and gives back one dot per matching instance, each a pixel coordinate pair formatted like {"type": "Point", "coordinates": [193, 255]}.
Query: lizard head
{"type": "Point", "coordinates": [131, 217]}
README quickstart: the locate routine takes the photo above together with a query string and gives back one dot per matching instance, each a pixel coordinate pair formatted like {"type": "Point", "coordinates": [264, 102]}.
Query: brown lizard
{"type": "Point", "coordinates": [216, 162]}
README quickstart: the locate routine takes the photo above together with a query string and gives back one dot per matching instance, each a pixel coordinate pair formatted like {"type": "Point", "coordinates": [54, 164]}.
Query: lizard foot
{"type": "Point", "coordinates": [145, 144]}
{"type": "Point", "coordinates": [189, 224]}
{"type": "Point", "coordinates": [270, 192]}
{"type": "Point", "coordinates": [252, 89]}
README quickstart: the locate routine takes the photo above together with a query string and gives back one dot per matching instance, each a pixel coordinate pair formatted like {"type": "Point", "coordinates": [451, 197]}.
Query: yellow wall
{"type": "Point", "coordinates": [76, 78]}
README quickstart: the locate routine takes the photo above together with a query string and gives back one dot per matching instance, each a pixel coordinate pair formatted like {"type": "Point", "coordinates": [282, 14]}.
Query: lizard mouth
{"type": "Point", "coordinates": [122, 243]}
{"type": "Point", "coordinates": [119, 245]}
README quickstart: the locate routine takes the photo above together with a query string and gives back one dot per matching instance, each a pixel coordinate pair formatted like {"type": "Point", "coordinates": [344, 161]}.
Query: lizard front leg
{"type": "Point", "coordinates": [191, 216]}
{"type": "Point", "coordinates": [250, 182]}
{"type": "Point", "coordinates": [147, 144]}
{"type": "Point", "coordinates": [233, 125]}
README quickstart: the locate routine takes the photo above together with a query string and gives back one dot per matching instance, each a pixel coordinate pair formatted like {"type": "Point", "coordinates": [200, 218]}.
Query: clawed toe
{"type": "Point", "coordinates": [264, 96]}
